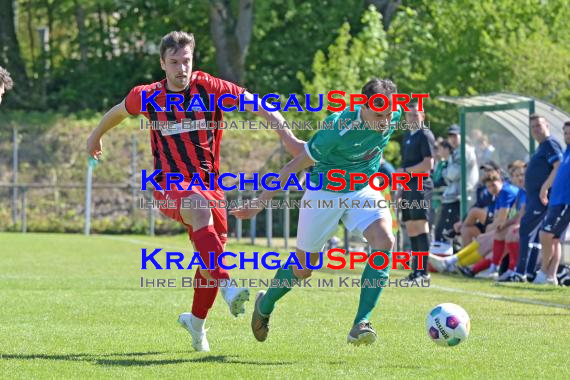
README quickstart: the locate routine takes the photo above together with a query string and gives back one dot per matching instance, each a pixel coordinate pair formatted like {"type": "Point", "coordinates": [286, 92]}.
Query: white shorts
{"type": "Point", "coordinates": [318, 224]}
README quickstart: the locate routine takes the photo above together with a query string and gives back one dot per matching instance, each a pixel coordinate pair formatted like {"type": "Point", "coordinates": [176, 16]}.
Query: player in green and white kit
{"type": "Point", "coordinates": [355, 150]}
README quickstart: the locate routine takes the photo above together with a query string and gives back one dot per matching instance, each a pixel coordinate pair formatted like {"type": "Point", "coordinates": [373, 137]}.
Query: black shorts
{"type": "Point", "coordinates": [417, 213]}
{"type": "Point", "coordinates": [482, 227]}
{"type": "Point", "coordinates": [557, 219]}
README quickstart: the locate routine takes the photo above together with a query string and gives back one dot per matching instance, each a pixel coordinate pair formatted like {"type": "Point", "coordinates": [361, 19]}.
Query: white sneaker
{"type": "Point", "coordinates": [440, 264]}
{"type": "Point", "coordinates": [490, 273]}
{"type": "Point", "coordinates": [540, 278]}
{"type": "Point", "coordinates": [505, 276]}
{"type": "Point", "coordinates": [199, 340]}
{"type": "Point", "coordinates": [235, 298]}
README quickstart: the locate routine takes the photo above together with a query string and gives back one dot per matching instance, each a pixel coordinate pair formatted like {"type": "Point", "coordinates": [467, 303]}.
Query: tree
{"type": "Point", "coordinates": [387, 8]}
{"type": "Point", "coordinates": [10, 56]}
{"type": "Point", "coordinates": [350, 61]}
{"type": "Point", "coordinates": [231, 35]}
{"type": "Point", "coordinates": [286, 36]}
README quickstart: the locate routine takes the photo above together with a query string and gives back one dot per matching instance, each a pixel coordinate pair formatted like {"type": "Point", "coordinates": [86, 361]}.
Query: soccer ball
{"type": "Point", "coordinates": [448, 324]}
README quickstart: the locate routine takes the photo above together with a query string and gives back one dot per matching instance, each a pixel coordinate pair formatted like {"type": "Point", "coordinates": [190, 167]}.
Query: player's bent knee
{"type": "Point", "coordinates": [386, 241]}
{"type": "Point", "coordinates": [379, 237]}
{"type": "Point", "coordinates": [197, 218]}
{"type": "Point", "coordinates": [206, 274]}
{"type": "Point", "coordinates": [302, 273]}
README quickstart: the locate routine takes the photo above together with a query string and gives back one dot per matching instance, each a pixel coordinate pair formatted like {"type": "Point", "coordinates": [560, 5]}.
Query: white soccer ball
{"type": "Point", "coordinates": [448, 324]}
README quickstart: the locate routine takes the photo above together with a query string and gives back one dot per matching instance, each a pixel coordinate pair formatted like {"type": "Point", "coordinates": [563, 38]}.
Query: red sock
{"type": "Point", "coordinates": [513, 248]}
{"type": "Point", "coordinates": [203, 297]}
{"type": "Point", "coordinates": [206, 240]}
{"type": "Point", "coordinates": [481, 266]}
{"type": "Point", "coordinates": [498, 251]}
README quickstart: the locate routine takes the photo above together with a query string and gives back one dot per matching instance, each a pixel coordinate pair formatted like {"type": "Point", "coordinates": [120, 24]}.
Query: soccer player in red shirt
{"type": "Point", "coordinates": [187, 152]}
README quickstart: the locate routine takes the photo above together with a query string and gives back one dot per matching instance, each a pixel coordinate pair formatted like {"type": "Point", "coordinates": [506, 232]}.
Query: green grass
{"type": "Point", "coordinates": [72, 307]}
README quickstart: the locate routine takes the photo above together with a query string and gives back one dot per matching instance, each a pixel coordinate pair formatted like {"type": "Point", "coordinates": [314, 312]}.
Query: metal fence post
{"type": "Point", "coordinates": [88, 186]}
{"type": "Point", "coordinates": [286, 211]}
{"type": "Point", "coordinates": [23, 211]}
{"type": "Point", "coordinates": [15, 177]}
{"type": "Point", "coordinates": [252, 231]}
{"type": "Point", "coordinates": [134, 174]}
{"type": "Point", "coordinates": [151, 216]}
{"type": "Point", "coordinates": [269, 225]}
{"type": "Point", "coordinates": [239, 221]}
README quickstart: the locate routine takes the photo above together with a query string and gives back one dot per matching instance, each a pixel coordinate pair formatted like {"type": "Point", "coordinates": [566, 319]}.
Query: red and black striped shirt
{"type": "Point", "coordinates": [190, 150]}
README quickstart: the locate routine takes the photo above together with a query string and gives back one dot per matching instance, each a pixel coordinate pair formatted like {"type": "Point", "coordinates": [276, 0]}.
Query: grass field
{"type": "Point", "coordinates": [72, 307]}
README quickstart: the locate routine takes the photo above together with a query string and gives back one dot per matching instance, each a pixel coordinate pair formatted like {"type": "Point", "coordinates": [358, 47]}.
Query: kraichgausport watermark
{"type": "Point", "coordinates": [173, 127]}
{"type": "Point", "coordinates": [337, 180]}
{"type": "Point", "coordinates": [279, 204]}
{"type": "Point", "coordinates": [196, 103]}
{"type": "Point", "coordinates": [337, 282]}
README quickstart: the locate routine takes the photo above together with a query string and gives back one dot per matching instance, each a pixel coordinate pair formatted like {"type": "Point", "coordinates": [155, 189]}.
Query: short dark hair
{"type": "Point", "coordinates": [535, 116]}
{"type": "Point", "coordinates": [492, 177]}
{"type": "Point", "coordinates": [446, 144]}
{"type": "Point", "coordinates": [516, 164]}
{"type": "Point", "coordinates": [566, 124]}
{"type": "Point", "coordinates": [415, 105]}
{"type": "Point", "coordinates": [176, 40]}
{"type": "Point", "coordinates": [379, 86]}
{"type": "Point", "coordinates": [6, 79]}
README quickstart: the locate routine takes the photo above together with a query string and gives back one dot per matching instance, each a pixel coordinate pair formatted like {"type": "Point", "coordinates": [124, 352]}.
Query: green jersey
{"type": "Point", "coordinates": [350, 145]}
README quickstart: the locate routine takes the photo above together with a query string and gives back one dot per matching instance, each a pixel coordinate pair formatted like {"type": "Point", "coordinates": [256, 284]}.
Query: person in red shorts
{"type": "Point", "coordinates": [191, 152]}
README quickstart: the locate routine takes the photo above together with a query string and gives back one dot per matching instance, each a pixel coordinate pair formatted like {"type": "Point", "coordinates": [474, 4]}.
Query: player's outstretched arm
{"type": "Point", "coordinates": [292, 144]}
{"type": "Point", "coordinates": [300, 162]}
{"type": "Point", "coordinates": [111, 119]}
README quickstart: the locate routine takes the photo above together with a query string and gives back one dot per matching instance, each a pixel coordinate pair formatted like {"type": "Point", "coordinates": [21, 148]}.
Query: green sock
{"type": "Point", "coordinates": [370, 294]}
{"type": "Point", "coordinates": [267, 303]}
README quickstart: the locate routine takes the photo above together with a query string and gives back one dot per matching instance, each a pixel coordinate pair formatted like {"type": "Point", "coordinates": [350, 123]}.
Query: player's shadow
{"type": "Point", "coordinates": [388, 366]}
{"type": "Point", "coordinates": [118, 359]}
{"type": "Point", "coordinates": [73, 357]}
{"type": "Point", "coordinates": [538, 315]}
{"type": "Point", "coordinates": [222, 359]}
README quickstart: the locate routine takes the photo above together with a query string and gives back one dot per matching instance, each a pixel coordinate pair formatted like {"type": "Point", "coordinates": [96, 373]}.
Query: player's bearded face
{"type": "Point", "coordinates": [178, 66]}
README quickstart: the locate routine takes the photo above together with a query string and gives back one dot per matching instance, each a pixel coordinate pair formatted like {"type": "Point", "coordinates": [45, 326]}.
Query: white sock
{"type": "Point", "coordinates": [197, 323]}
{"type": "Point", "coordinates": [492, 268]}
{"type": "Point", "coordinates": [452, 259]}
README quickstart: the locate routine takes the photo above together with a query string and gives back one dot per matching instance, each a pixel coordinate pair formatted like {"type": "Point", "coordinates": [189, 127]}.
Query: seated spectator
{"type": "Point", "coordinates": [474, 252]}
{"type": "Point", "coordinates": [506, 240]}
{"type": "Point", "coordinates": [480, 215]}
